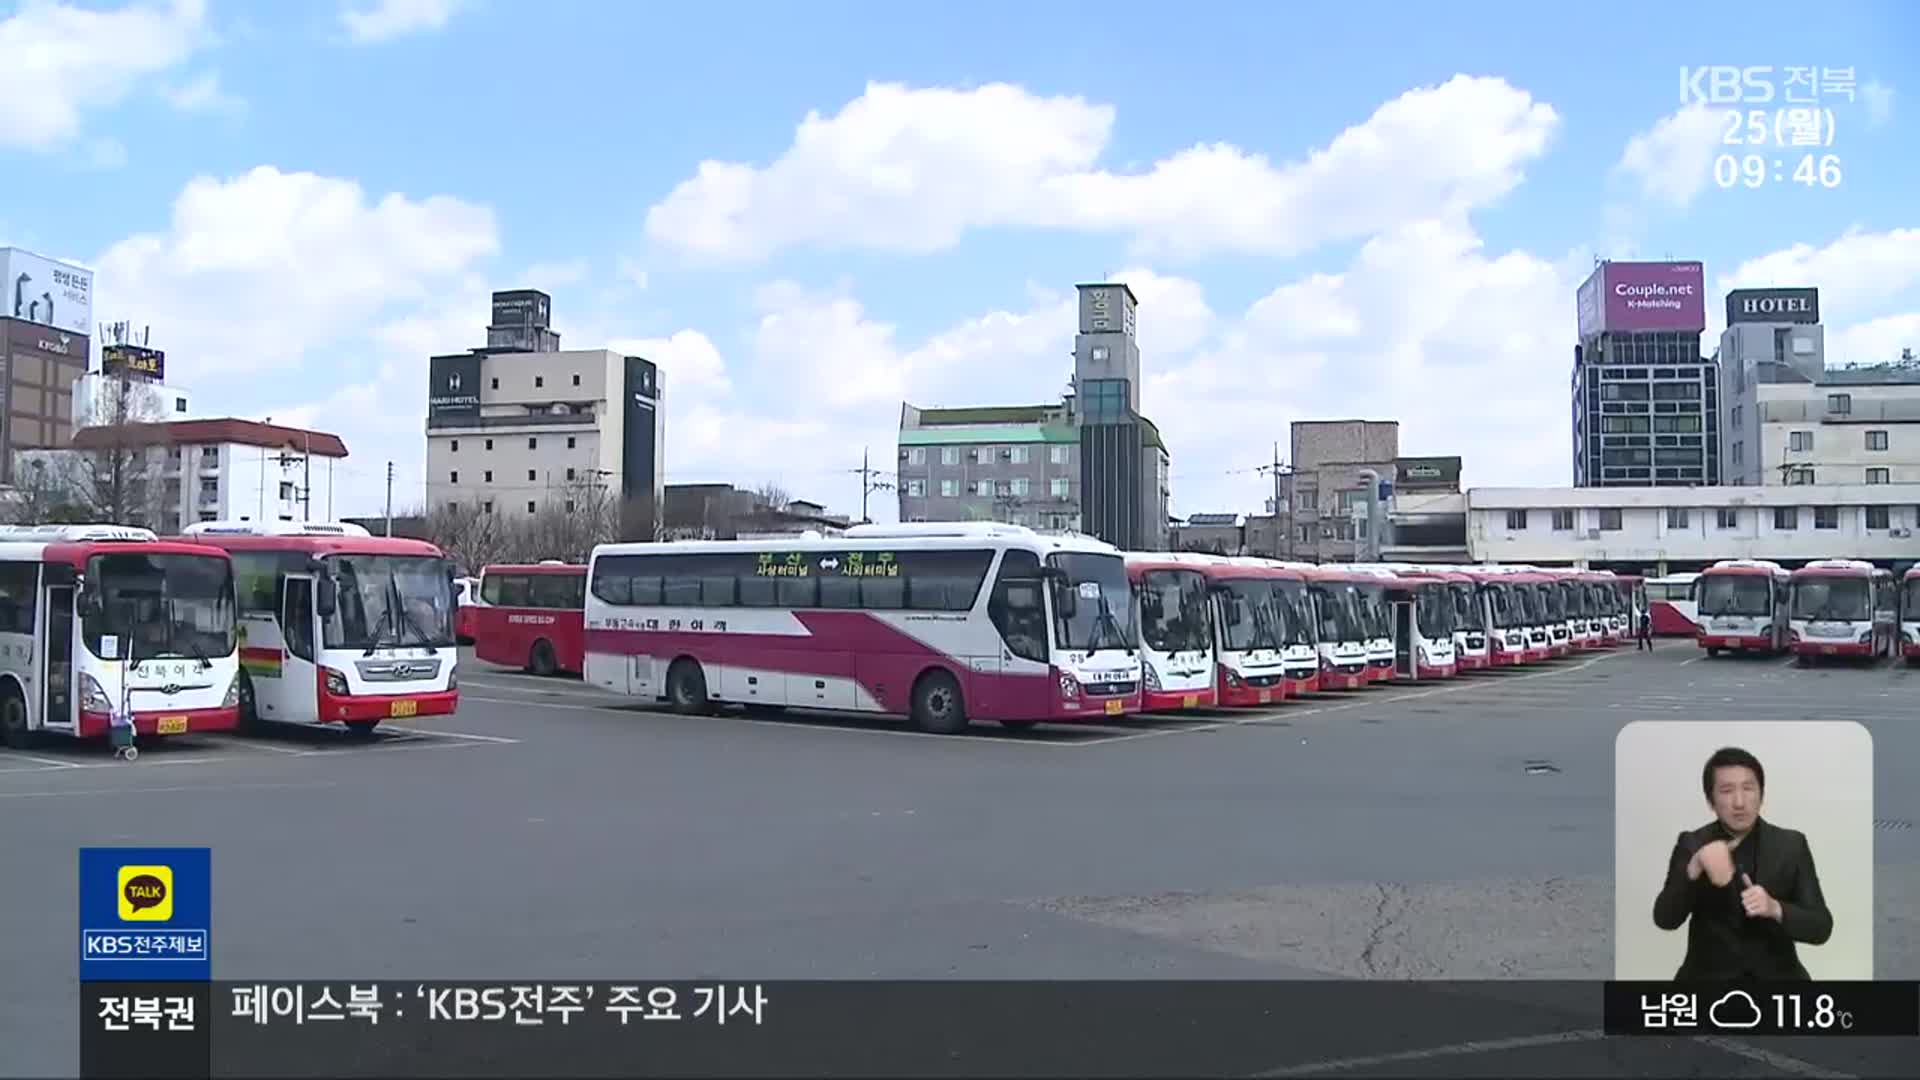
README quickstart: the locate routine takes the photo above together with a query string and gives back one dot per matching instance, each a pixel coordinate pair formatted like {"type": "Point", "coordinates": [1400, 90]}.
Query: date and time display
{"type": "Point", "coordinates": [1777, 125]}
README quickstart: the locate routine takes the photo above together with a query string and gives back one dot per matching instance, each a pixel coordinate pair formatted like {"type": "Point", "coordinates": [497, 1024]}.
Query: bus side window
{"type": "Point", "coordinates": [757, 591]}
{"type": "Point", "coordinates": [515, 591]}
{"type": "Point", "coordinates": [1016, 608]}
{"type": "Point", "coordinates": [17, 582]}
{"type": "Point", "coordinates": [490, 588]}
{"type": "Point", "coordinates": [800, 592]}
{"type": "Point", "coordinates": [551, 590]}
{"type": "Point", "coordinates": [839, 593]}
{"type": "Point", "coordinates": [298, 626]}
{"type": "Point", "coordinates": [612, 580]}
{"type": "Point", "coordinates": [944, 580]}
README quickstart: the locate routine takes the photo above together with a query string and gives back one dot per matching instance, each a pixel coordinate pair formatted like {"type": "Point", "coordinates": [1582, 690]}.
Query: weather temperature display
{"type": "Point", "coordinates": [1809, 1008]}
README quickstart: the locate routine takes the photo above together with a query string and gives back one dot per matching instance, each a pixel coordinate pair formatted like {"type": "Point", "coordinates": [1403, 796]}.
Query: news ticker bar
{"type": "Point", "coordinates": [1026, 1028]}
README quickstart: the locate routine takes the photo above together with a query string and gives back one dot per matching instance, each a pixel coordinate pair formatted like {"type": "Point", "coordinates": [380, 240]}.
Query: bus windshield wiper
{"type": "Point", "coordinates": [1102, 623]}
{"type": "Point", "coordinates": [405, 615]}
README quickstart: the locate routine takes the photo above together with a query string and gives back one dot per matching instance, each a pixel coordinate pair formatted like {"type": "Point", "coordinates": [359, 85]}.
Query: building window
{"type": "Point", "coordinates": [1058, 454]}
{"type": "Point", "coordinates": [487, 476]}
{"type": "Point", "coordinates": [1799, 477]}
{"type": "Point", "coordinates": [570, 501]}
{"type": "Point", "coordinates": [1737, 448]}
{"type": "Point", "coordinates": [1105, 401]}
{"type": "Point", "coordinates": [531, 475]}
{"type": "Point", "coordinates": [533, 443]}
{"type": "Point", "coordinates": [570, 442]}
{"type": "Point", "coordinates": [1058, 487]}
{"type": "Point", "coordinates": [179, 404]}
{"type": "Point", "coordinates": [1099, 352]}
{"type": "Point", "coordinates": [1876, 440]}
{"type": "Point", "coordinates": [1516, 519]}
{"type": "Point", "coordinates": [489, 444]}
{"type": "Point", "coordinates": [487, 507]}
{"type": "Point", "coordinates": [1877, 517]}
{"type": "Point", "coordinates": [1840, 403]}
{"type": "Point", "coordinates": [1677, 517]}
{"type": "Point", "coordinates": [208, 515]}
{"type": "Point", "coordinates": [1610, 519]}
{"type": "Point", "coordinates": [1799, 441]}
{"type": "Point", "coordinates": [576, 382]}
{"type": "Point", "coordinates": [916, 488]}
{"type": "Point", "coordinates": [983, 488]}
{"type": "Point", "coordinates": [452, 478]}
{"type": "Point", "coordinates": [917, 455]}
{"type": "Point", "coordinates": [1018, 455]}
{"type": "Point", "coordinates": [453, 506]}
{"type": "Point", "coordinates": [453, 446]}
{"type": "Point", "coordinates": [539, 381]}
{"type": "Point", "coordinates": [949, 455]}
{"type": "Point", "coordinates": [1786, 518]}
{"type": "Point", "coordinates": [949, 488]}
{"type": "Point", "coordinates": [1019, 487]}
{"type": "Point", "coordinates": [1826, 517]}
{"type": "Point", "coordinates": [1726, 517]}
{"type": "Point", "coordinates": [569, 474]}
{"type": "Point", "coordinates": [1563, 521]}
{"type": "Point", "coordinates": [495, 383]}
{"type": "Point", "coordinates": [1736, 416]}
{"type": "Point", "coordinates": [1879, 476]}
{"type": "Point", "coordinates": [530, 506]}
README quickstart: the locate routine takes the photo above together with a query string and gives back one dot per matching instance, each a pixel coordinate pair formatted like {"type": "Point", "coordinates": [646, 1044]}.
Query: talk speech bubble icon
{"type": "Point", "coordinates": [146, 893]}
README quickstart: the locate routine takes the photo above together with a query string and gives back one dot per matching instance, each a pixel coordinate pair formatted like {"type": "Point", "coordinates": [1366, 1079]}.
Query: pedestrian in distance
{"type": "Point", "coordinates": [1645, 631]}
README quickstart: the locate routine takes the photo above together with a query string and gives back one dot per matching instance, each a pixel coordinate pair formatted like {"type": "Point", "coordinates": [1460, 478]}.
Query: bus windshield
{"type": "Point", "coordinates": [1251, 621]}
{"type": "Point", "coordinates": [1834, 599]}
{"type": "Point", "coordinates": [1372, 601]}
{"type": "Point", "coordinates": [390, 600]}
{"type": "Point", "coordinates": [1290, 599]}
{"type": "Point", "coordinates": [1911, 600]}
{"type": "Point", "coordinates": [1173, 610]}
{"type": "Point", "coordinates": [1735, 594]}
{"type": "Point", "coordinates": [1092, 602]}
{"type": "Point", "coordinates": [1556, 602]}
{"type": "Point", "coordinates": [155, 606]}
{"type": "Point", "coordinates": [1433, 609]}
{"type": "Point", "coordinates": [1467, 613]}
{"type": "Point", "coordinates": [1532, 606]}
{"type": "Point", "coordinates": [1338, 606]}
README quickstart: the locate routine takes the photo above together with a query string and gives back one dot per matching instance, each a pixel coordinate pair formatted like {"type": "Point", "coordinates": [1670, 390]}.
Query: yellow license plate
{"type": "Point", "coordinates": [170, 725]}
{"type": "Point", "coordinates": [1828, 650]}
{"type": "Point", "coordinates": [1266, 696]}
{"type": "Point", "coordinates": [1191, 700]}
{"type": "Point", "coordinates": [1113, 708]}
{"type": "Point", "coordinates": [399, 709]}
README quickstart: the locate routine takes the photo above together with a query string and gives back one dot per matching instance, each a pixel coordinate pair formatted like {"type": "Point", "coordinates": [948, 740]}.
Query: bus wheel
{"type": "Point", "coordinates": [362, 729]}
{"type": "Point", "coordinates": [249, 706]}
{"type": "Point", "coordinates": [937, 706]}
{"type": "Point", "coordinates": [687, 687]}
{"type": "Point", "coordinates": [540, 661]}
{"type": "Point", "coordinates": [1713, 651]}
{"type": "Point", "coordinates": [13, 719]}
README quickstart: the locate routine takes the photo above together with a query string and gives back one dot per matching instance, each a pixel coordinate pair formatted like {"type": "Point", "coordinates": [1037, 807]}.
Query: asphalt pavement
{"type": "Point", "coordinates": [1452, 830]}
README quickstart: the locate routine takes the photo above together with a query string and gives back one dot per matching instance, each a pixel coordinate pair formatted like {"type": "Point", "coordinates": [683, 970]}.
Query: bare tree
{"type": "Point", "coordinates": [772, 496]}
{"type": "Point", "coordinates": [123, 480]}
{"type": "Point", "coordinates": [472, 534]}
{"type": "Point", "coordinates": [575, 518]}
{"type": "Point", "coordinates": [50, 489]}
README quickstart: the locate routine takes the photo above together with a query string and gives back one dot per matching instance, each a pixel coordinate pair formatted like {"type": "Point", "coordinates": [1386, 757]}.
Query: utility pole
{"type": "Point", "coordinates": [869, 482]}
{"type": "Point", "coordinates": [1278, 469]}
{"type": "Point", "coordinates": [389, 498]}
{"type": "Point", "coordinates": [306, 489]}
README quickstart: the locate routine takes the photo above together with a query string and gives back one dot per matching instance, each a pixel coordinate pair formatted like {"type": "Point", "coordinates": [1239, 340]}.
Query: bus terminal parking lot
{"type": "Point", "coordinates": [1450, 829]}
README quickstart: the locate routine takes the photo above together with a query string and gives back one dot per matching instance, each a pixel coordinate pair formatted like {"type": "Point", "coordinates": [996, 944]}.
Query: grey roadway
{"type": "Point", "coordinates": [548, 832]}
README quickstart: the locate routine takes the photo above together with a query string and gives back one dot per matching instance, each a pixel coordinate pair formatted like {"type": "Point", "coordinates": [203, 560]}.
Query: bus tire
{"type": "Point", "coordinates": [687, 687]}
{"type": "Point", "coordinates": [362, 729]}
{"type": "Point", "coordinates": [540, 658]}
{"type": "Point", "coordinates": [13, 718]}
{"type": "Point", "coordinates": [249, 705]}
{"type": "Point", "coordinates": [1713, 651]}
{"type": "Point", "coordinates": [938, 707]}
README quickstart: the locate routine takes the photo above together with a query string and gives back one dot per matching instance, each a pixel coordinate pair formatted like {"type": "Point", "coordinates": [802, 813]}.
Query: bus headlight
{"type": "Point", "coordinates": [1866, 637]}
{"type": "Point", "coordinates": [1153, 678]}
{"type": "Point", "coordinates": [232, 698]}
{"type": "Point", "coordinates": [93, 696]}
{"type": "Point", "coordinates": [1069, 686]}
{"type": "Point", "coordinates": [453, 678]}
{"type": "Point", "coordinates": [336, 682]}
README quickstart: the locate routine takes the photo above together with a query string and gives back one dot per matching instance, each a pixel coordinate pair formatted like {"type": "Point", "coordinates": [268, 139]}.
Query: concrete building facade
{"type": "Point", "coordinates": [1325, 493]}
{"type": "Point", "coordinates": [1645, 403]}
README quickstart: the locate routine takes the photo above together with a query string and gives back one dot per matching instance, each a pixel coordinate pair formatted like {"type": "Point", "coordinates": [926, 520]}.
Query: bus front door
{"type": "Point", "coordinates": [57, 647]}
{"type": "Point", "coordinates": [299, 683]}
{"type": "Point", "coordinates": [1403, 644]}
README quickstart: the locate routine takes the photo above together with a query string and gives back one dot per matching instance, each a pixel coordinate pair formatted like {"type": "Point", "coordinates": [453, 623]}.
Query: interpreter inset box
{"type": "Point", "coordinates": [1743, 850]}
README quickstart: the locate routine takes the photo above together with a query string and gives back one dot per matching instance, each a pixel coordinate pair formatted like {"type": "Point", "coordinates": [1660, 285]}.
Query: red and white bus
{"type": "Point", "coordinates": [945, 623]}
{"type": "Point", "coordinates": [1289, 620]}
{"type": "Point", "coordinates": [1173, 608]}
{"type": "Point", "coordinates": [1498, 597]}
{"type": "Point", "coordinates": [533, 617]}
{"type": "Point", "coordinates": [1343, 626]}
{"type": "Point", "coordinates": [466, 605]}
{"type": "Point", "coordinates": [1471, 623]}
{"type": "Point", "coordinates": [1842, 607]}
{"type": "Point", "coordinates": [338, 626]}
{"type": "Point", "coordinates": [1910, 615]}
{"type": "Point", "coordinates": [1370, 584]}
{"type": "Point", "coordinates": [1741, 604]}
{"type": "Point", "coordinates": [103, 621]}
{"type": "Point", "coordinates": [1422, 606]}
{"type": "Point", "coordinates": [1670, 600]}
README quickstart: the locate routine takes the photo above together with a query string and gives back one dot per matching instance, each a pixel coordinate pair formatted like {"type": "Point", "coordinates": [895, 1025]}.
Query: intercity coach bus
{"type": "Point", "coordinates": [945, 623]}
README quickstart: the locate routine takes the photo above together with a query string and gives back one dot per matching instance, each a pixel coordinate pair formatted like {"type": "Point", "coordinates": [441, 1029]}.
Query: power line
{"type": "Point", "coordinates": [870, 482]}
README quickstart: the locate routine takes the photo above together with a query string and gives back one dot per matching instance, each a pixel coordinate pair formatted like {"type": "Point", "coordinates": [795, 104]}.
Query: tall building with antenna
{"type": "Point", "coordinates": [46, 323]}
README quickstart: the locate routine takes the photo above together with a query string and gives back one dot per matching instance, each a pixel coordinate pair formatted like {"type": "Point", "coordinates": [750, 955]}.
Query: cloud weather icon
{"type": "Point", "coordinates": [1736, 1009]}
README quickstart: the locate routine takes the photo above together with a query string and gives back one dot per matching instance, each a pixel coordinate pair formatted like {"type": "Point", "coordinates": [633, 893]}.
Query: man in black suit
{"type": "Point", "coordinates": [1746, 887]}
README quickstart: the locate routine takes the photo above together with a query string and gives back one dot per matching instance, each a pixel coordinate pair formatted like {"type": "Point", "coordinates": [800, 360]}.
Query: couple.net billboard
{"type": "Point", "coordinates": [1624, 297]}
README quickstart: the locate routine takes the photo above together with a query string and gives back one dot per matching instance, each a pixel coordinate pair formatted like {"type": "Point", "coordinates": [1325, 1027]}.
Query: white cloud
{"type": "Point", "coordinates": [1673, 160]}
{"type": "Point", "coordinates": [1854, 272]}
{"type": "Point", "coordinates": [202, 93]}
{"type": "Point", "coordinates": [632, 273]}
{"type": "Point", "coordinates": [910, 170]}
{"type": "Point", "coordinates": [389, 19]}
{"type": "Point", "coordinates": [1875, 341]}
{"type": "Point", "coordinates": [62, 61]}
{"type": "Point", "coordinates": [553, 276]}
{"type": "Point", "coordinates": [691, 369]}
{"type": "Point", "coordinates": [1879, 100]}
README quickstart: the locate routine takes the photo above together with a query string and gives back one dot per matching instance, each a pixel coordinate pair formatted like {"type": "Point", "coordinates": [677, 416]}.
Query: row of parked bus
{"type": "Point", "coordinates": [108, 629]}
{"type": "Point", "coordinates": [1826, 608]}
{"type": "Point", "coordinates": [950, 623]}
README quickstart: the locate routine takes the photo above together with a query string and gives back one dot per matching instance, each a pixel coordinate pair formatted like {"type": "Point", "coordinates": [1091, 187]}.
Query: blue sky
{"type": "Point", "coordinates": [1327, 210]}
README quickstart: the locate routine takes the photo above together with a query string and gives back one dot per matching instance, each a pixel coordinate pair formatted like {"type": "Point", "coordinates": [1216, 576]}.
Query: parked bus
{"type": "Point", "coordinates": [1499, 595]}
{"type": "Point", "coordinates": [1583, 591]}
{"type": "Point", "coordinates": [945, 623]}
{"type": "Point", "coordinates": [1174, 611]}
{"type": "Point", "coordinates": [1423, 625]}
{"type": "Point", "coordinates": [1842, 607]}
{"type": "Point", "coordinates": [533, 617]}
{"type": "Point", "coordinates": [338, 626]}
{"type": "Point", "coordinates": [1471, 624]}
{"type": "Point", "coordinates": [1294, 619]}
{"type": "Point", "coordinates": [1554, 598]}
{"type": "Point", "coordinates": [1530, 589]}
{"type": "Point", "coordinates": [1376, 619]}
{"type": "Point", "coordinates": [1614, 600]}
{"type": "Point", "coordinates": [99, 621]}
{"type": "Point", "coordinates": [1250, 631]}
{"type": "Point", "coordinates": [1741, 604]}
{"type": "Point", "coordinates": [1671, 601]}
{"type": "Point", "coordinates": [1910, 615]}
{"type": "Point", "coordinates": [1342, 627]}
{"type": "Point", "coordinates": [466, 606]}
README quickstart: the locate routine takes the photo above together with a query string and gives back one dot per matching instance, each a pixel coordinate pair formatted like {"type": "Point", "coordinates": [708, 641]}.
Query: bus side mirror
{"type": "Point", "coordinates": [326, 597]}
{"type": "Point", "coordinates": [1066, 601]}
{"type": "Point", "coordinates": [88, 602]}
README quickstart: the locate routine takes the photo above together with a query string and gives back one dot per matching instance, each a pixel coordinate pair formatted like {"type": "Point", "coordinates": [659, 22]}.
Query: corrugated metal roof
{"type": "Point", "coordinates": [978, 434]}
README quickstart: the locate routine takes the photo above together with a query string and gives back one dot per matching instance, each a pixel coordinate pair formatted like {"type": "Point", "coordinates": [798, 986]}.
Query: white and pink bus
{"type": "Point", "coordinates": [1842, 607]}
{"type": "Point", "coordinates": [1910, 615]}
{"type": "Point", "coordinates": [1742, 606]}
{"type": "Point", "coordinates": [945, 623]}
{"type": "Point", "coordinates": [1173, 607]}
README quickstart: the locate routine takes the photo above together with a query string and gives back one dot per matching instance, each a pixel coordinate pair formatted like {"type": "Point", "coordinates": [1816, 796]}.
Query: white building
{"type": "Point", "coordinates": [1773, 339]}
{"type": "Point", "coordinates": [209, 470]}
{"type": "Point", "coordinates": [515, 431]}
{"type": "Point", "coordinates": [1855, 426]}
{"type": "Point", "coordinates": [1656, 527]}
{"type": "Point", "coordinates": [95, 401]}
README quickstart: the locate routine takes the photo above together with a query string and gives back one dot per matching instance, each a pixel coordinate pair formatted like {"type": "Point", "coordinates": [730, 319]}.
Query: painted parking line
{"type": "Point", "coordinates": [99, 792]}
{"type": "Point", "coordinates": [40, 764]}
{"type": "Point", "coordinates": [1483, 1046]}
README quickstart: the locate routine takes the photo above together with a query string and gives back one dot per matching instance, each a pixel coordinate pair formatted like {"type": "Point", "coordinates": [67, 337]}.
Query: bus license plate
{"type": "Point", "coordinates": [1191, 701]}
{"type": "Point", "coordinates": [1113, 708]}
{"type": "Point", "coordinates": [399, 709]}
{"type": "Point", "coordinates": [1828, 650]}
{"type": "Point", "coordinates": [170, 725]}
{"type": "Point", "coordinates": [1266, 696]}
